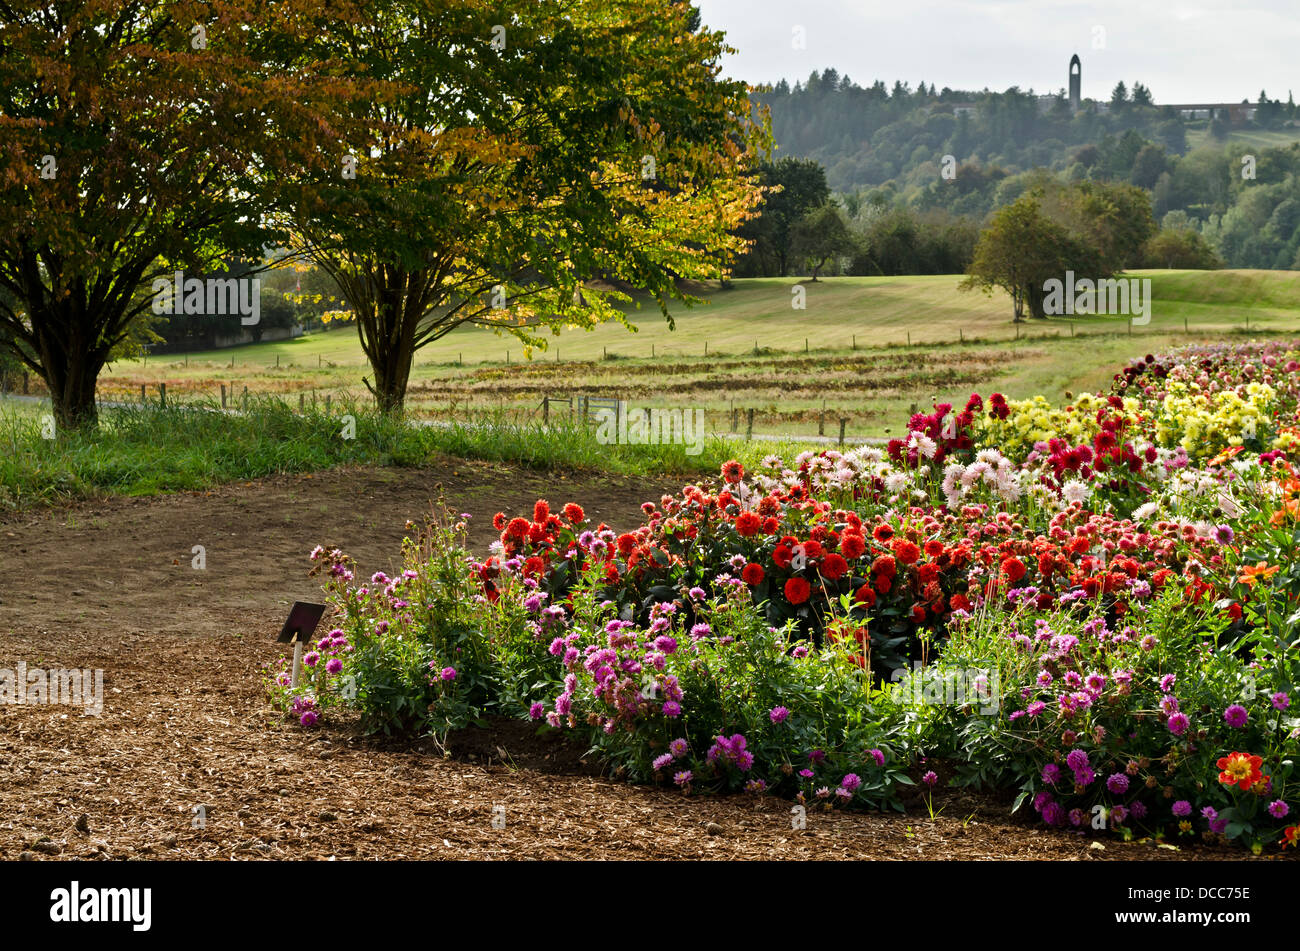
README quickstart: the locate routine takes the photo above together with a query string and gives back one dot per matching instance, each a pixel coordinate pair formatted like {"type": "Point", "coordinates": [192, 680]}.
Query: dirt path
{"type": "Point", "coordinates": [126, 565]}
{"type": "Point", "coordinates": [186, 724]}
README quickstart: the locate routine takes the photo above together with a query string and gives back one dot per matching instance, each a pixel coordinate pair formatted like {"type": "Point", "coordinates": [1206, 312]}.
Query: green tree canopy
{"type": "Point", "coordinates": [516, 158]}
{"type": "Point", "coordinates": [821, 236]}
{"type": "Point", "coordinates": [792, 188]}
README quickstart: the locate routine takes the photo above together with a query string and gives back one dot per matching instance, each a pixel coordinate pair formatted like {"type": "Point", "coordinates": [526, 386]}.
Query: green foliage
{"type": "Point", "coordinates": [589, 141]}
{"type": "Point", "coordinates": [1177, 648]}
{"type": "Point", "coordinates": [792, 188]}
{"type": "Point", "coordinates": [822, 236]}
{"type": "Point", "coordinates": [1179, 248]}
{"type": "Point", "coordinates": [1092, 229]}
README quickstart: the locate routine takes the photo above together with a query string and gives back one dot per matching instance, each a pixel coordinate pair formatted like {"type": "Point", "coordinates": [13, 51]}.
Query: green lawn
{"type": "Point", "coordinates": [875, 346]}
{"type": "Point", "coordinates": [1255, 138]}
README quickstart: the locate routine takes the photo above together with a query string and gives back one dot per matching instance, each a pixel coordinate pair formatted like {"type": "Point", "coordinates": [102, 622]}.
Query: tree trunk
{"type": "Point", "coordinates": [389, 342]}
{"type": "Point", "coordinates": [392, 373]}
{"type": "Point", "coordinates": [1037, 299]}
{"type": "Point", "coordinates": [70, 364]}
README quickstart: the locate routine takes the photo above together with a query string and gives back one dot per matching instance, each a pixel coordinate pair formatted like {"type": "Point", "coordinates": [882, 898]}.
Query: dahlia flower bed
{"type": "Point", "coordinates": [1094, 605]}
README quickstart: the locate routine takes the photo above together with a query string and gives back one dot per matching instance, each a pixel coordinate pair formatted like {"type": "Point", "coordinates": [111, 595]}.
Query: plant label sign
{"type": "Point", "coordinates": [298, 629]}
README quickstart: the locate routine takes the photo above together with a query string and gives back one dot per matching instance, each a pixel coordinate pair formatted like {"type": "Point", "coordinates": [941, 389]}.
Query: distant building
{"type": "Point", "coordinates": [1236, 112]}
{"type": "Point", "coordinates": [1076, 83]}
{"type": "Point", "coordinates": [1045, 104]}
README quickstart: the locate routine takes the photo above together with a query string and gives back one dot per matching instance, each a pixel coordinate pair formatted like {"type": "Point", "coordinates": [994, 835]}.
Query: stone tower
{"type": "Point", "coordinates": [1076, 83]}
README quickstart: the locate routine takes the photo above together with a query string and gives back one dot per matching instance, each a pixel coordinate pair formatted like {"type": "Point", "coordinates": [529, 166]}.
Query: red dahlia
{"type": "Point", "coordinates": [852, 546]}
{"type": "Point", "coordinates": [1013, 569]}
{"type": "Point", "coordinates": [834, 567]}
{"type": "Point", "coordinates": [797, 590]}
{"type": "Point", "coordinates": [906, 551]}
{"type": "Point", "coordinates": [752, 574]}
{"type": "Point", "coordinates": [884, 565]}
{"type": "Point", "coordinates": [865, 596]}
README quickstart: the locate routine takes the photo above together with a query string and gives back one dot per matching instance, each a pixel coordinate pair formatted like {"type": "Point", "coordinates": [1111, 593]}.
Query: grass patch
{"type": "Point", "coordinates": [149, 449]}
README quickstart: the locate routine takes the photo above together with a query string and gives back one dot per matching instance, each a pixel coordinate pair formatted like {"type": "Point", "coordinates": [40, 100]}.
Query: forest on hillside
{"type": "Point", "coordinates": [937, 163]}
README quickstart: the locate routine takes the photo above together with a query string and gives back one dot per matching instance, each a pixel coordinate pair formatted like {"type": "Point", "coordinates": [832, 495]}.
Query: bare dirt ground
{"type": "Point", "coordinates": [110, 584]}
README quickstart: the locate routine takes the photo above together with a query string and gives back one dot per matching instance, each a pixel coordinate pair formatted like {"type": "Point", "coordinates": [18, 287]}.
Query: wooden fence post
{"type": "Point", "coordinates": [749, 425]}
{"type": "Point", "coordinates": [842, 423]}
{"type": "Point", "coordinates": [162, 395]}
{"type": "Point", "coordinates": [223, 396]}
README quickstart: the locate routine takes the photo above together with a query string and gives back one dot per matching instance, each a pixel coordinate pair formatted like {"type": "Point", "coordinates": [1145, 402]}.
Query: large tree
{"type": "Point", "coordinates": [1092, 229]}
{"type": "Point", "coordinates": [793, 187]}
{"type": "Point", "coordinates": [1019, 250]}
{"type": "Point", "coordinates": [517, 159]}
{"type": "Point", "coordinates": [139, 138]}
{"type": "Point", "coordinates": [821, 236]}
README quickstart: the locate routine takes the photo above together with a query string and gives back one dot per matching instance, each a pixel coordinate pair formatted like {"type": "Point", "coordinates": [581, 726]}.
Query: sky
{"type": "Point", "coordinates": [1208, 51]}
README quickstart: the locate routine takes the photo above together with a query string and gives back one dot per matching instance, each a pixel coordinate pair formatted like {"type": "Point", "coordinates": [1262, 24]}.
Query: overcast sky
{"type": "Point", "coordinates": [1206, 51]}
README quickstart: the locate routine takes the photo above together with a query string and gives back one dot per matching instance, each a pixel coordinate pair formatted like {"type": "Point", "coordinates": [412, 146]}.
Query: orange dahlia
{"type": "Point", "coordinates": [1240, 770]}
{"type": "Point", "coordinates": [1262, 570]}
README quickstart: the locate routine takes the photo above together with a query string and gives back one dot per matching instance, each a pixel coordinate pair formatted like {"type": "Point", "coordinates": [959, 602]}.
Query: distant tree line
{"type": "Point", "coordinates": [892, 181]}
{"type": "Point", "coordinates": [804, 229]}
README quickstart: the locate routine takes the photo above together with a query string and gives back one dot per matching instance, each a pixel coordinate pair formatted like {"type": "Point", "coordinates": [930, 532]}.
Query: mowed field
{"type": "Point", "coordinates": [863, 349]}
